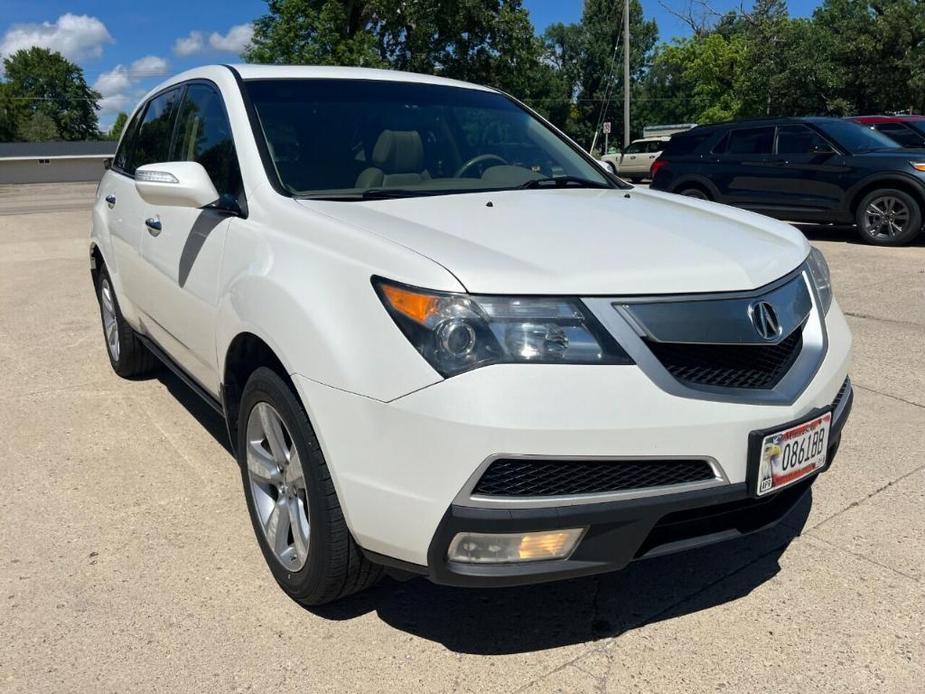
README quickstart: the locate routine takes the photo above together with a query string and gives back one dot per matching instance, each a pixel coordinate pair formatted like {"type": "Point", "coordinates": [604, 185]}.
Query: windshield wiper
{"type": "Point", "coordinates": [369, 194]}
{"type": "Point", "coordinates": [562, 182]}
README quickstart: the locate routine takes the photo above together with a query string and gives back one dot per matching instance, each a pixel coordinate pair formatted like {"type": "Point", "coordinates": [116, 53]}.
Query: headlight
{"type": "Point", "coordinates": [459, 332]}
{"type": "Point", "coordinates": [819, 270]}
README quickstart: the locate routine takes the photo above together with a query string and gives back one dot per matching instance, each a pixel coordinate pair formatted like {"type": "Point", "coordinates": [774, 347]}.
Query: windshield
{"type": "Point", "coordinates": [854, 137]}
{"type": "Point", "coordinates": [349, 138]}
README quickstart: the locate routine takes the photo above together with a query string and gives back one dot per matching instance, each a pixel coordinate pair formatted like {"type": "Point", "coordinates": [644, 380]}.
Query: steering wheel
{"type": "Point", "coordinates": [480, 159]}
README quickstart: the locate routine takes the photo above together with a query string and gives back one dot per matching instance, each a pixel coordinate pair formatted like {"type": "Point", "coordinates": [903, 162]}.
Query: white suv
{"type": "Point", "coordinates": [445, 342]}
{"type": "Point", "coordinates": [636, 162]}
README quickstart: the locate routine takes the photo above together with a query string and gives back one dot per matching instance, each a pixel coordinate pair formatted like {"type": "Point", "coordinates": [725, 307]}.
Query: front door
{"type": "Point", "coordinates": [183, 247]}
{"type": "Point", "coordinates": [807, 172]}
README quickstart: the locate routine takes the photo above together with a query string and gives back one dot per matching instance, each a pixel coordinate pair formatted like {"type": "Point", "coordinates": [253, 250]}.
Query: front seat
{"type": "Point", "coordinates": [398, 160]}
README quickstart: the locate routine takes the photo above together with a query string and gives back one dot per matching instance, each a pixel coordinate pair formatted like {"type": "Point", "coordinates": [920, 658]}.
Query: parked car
{"type": "Point", "coordinates": [802, 170]}
{"type": "Point", "coordinates": [634, 163]}
{"type": "Point", "coordinates": [445, 342]}
{"type": "Point", "coordinates": [906, 131]}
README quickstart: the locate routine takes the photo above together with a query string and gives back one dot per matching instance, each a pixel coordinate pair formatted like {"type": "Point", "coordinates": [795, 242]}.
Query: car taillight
{"type": "Point", "coordinates": [656, 166]}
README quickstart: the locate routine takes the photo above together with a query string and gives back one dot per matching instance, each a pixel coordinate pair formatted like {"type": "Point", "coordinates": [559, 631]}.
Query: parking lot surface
{"type": "Point", "coordinates": [127, 560]}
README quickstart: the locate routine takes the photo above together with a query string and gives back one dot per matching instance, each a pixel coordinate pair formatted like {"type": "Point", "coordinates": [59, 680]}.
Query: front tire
{"type": "Point", "coordinates": [888, 217]}
{"type": "Point", "coordinates": [293, 505]}
{"type": "Point", "coordinates": [127, 355]}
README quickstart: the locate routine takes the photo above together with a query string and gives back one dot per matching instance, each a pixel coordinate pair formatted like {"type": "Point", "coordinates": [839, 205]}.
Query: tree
{"type": "Point", "coordinates": [590, 56]}
{"type": "Point", "coordinates": [317, 32]}
{"type": "Point", "coordinates": [487, 41]}
{"type": "Point", "coordinates": [10, 114]}
{"type": "Point", "coordinates": [115, 132]}
{"type": "Point", "coordinates": [45, 82]}
{"type": "Point", "coordinates": [39, 127]}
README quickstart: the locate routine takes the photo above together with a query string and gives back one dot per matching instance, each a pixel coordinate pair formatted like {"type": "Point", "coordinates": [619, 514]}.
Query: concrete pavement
{"type": "Point", "coordinates": [127, 561]}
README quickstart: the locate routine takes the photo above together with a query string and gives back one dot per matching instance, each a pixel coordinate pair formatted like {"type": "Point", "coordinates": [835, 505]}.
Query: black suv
{"type": "Point", "coordinates": [802, 170]}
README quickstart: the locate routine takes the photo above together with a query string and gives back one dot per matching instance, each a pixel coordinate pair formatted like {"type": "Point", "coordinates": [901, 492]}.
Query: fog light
{"type": "Point", "coordinates": [493, 548]}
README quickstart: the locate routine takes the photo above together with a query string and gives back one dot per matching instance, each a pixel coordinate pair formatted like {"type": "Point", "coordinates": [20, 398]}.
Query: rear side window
{"type": "Point", "coordinates": [751, 141]}
{"type": "Point", "coordinates": [681, 145]}
{"type": "Point", "coordinates": [152, 141]}
{"type": "Point", "coordinates": [636, 148]}
{"type": "Point", "coordinates": [203, 135]}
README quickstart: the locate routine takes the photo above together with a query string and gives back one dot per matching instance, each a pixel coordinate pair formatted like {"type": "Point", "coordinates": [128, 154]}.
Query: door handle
{"type": "Point", "coordinates": [154, 225]}
{"type": "Point", "coordinates": [111, 200]}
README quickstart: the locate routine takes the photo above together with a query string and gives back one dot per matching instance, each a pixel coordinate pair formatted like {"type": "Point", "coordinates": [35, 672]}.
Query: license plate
{"type": "Point", "coordinates": [791, 454]}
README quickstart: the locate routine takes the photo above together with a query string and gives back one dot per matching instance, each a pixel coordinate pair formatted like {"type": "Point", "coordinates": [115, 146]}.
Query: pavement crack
{"type": "Point", "coordinates": [888, 395]}
{"type": "Point", "coordinates": [863, 557]}
{"type": "Point", "coordinates": [854, 504]}
{"type": "Point", "coordinates": [894, 321]}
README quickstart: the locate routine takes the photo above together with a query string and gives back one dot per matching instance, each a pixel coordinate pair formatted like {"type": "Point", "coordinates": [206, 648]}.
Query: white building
{"type": "Point", "coordinates": [53, 162]}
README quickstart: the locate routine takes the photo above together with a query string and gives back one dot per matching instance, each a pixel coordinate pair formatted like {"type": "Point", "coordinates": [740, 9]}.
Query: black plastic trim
{"type": "Point", "coordinates": [181, 373]}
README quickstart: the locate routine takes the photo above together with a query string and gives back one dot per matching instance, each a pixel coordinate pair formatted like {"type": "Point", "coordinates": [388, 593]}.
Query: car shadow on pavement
{"type": "Point", "coordinates": [210, 420]}
{"type": "Point", "coordinates": [532, 618]}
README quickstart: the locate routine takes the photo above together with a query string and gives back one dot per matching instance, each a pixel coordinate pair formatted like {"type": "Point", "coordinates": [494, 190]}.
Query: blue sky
{"type": "Point", "coordinates": [125, 48]}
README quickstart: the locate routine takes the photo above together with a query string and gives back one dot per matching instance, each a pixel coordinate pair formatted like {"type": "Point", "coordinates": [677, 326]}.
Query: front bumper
{"type": "Point", "coordinates": [400, 467]}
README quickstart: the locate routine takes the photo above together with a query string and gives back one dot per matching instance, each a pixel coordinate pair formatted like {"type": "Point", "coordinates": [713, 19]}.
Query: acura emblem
{"type": "Point", "coordinates": [765, 320]}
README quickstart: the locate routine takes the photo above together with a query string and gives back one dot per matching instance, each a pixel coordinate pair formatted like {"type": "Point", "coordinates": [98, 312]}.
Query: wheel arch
{"type": "Point", "coordinates": [245, 353]}
{"type": "Point", "coordinates": [907, 184]}
{"type": "Point", "coordinates": [704, 184]}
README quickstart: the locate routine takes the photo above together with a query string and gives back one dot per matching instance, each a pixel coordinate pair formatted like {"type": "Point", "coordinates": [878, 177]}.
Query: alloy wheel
{"type": "Point", "coordinates": [110, 324]}
{"type": "Point", "coordinates": [885, 217]}
{"type": "Point", "coordinates": [277, 484]}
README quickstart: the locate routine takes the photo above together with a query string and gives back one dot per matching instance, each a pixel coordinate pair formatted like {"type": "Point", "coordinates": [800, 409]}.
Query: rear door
{"type": "Point", "coordinates": [183, 258]}
{"type": "Point", "coordinates": [744, 167]}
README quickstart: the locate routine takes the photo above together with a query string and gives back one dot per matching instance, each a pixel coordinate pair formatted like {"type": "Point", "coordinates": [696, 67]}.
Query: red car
{"type": "Point", "coordinates": [908, 131]}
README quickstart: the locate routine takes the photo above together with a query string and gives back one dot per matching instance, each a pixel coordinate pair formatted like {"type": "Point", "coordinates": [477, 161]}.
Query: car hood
{"type": "Point", "coordinates": [583, 241]}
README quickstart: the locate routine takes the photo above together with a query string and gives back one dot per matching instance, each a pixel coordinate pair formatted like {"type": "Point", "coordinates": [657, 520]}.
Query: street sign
{"type": "Point", "coordinates": [607, 127]}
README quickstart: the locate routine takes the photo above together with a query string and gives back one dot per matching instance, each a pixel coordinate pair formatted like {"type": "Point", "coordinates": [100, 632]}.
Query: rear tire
{"type": "Point", "coordinates": [693, 192]}
{"type": "Point", "coordinates": [888, 217]}
{"type": "Point", "coordinates": [127, 355]}
{"type": "Point", "coordinates": [308, 546]}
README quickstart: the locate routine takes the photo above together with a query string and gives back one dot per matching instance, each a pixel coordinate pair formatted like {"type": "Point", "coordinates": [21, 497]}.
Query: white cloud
{"type": "Point", "coordinates": [113, 82]}
{"type": "Point", "coordinates": [74, 36]}
{"type": "Point", "coordinates": [234, 41]}
{"type": "Point", "coordinates": [116, 86]}
{"type": "Point", "coordinates": [149, 66]}
{"type": "Point", "coordinates": [189, 45]}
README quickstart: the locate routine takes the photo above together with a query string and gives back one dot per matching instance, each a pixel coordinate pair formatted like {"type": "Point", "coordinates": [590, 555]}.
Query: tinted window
{"type": "Point", "coordinates": [901, 134]}
{"type": "Point", "coordinates": [636, 147]}
{"type": "Point", "coordinates": [127, 144]}
{"type": "Point", "coordinates": [655, 146]}
{"type": "Point", "coordinates": [203, 135]}
{"type": "Point", "coordinates": [152, 142]}
{"type": "Point", "coordinates": [798, 139]}
{"type": "Point", "coordinates": [854, 137]}
{"type": "Point", "coordinates": [343, 137]}
{"type": "Point", "coordinates": [751, 141]}
{"type": "Point", "coordinates": [680, 145]}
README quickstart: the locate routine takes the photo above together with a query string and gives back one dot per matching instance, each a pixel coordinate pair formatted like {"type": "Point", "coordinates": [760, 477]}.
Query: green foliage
{"type": "Point", "coordinates": [39, 127]}
{"type": "Point", "coordinates": [115, 132]}
{"type": "Point", "coordinates": [10, 113]}
{"type": "Point", "coordinates": [46, 83]}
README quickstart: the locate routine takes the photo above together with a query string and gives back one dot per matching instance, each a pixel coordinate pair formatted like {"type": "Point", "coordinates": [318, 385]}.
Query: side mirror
{"type": "Point", "coordinates": [822, 149]}
{"type": "Point", "coordinates": [175, 183]}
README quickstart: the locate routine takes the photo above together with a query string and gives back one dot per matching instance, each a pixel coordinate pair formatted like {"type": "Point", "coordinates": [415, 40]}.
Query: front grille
{"type": "Point", "coordinates": [526, 477]}
{"type": "Point", "coordinates": [729, 366]}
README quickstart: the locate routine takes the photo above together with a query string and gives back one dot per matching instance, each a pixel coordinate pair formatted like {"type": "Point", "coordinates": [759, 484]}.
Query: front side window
{"type": "Point", "coordinates": [330, 137]}
{"type": "Point", "coordinates": [750, 141]}
{"type": "Point", "coordinates": [121, 160]}
{"type": "Point", "coordinates": [152, 140]}
{"type": "Point", "coordinates": [798, 139]}
{"type": "Point", "coordinates": [854, 137]}
{"type": "Point", "coordinates": [203, 135]}
{"type": "Point", "coordinates": [901, 134]}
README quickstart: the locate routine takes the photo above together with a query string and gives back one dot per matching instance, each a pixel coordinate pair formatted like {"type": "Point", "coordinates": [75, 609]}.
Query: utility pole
{"type": "Point", "coordinates": [626, 73]}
